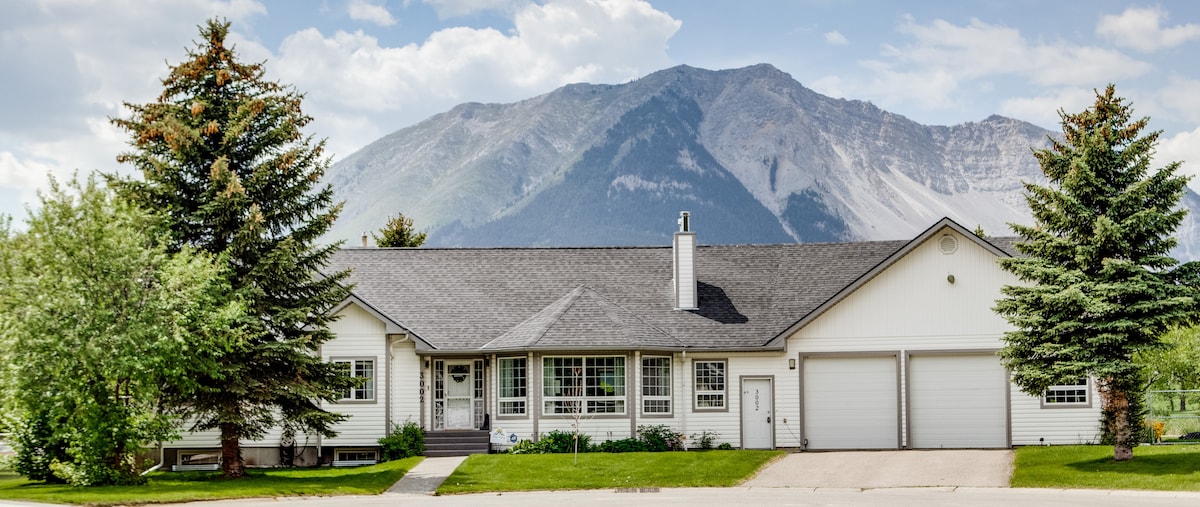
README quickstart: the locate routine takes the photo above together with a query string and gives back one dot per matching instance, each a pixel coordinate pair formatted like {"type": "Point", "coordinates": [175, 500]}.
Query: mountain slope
{"type": "Point", "coordinates": [754, 155]}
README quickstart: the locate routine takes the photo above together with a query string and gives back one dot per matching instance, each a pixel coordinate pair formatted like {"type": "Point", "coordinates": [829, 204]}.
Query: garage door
{"type": "Point", "coordinates": [957, 401]}
{"type": "Point", "coordinates": [850, 402]}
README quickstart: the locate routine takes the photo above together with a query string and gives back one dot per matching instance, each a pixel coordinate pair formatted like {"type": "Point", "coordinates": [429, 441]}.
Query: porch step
{"type": "Point", "coordinates": [456, 443]}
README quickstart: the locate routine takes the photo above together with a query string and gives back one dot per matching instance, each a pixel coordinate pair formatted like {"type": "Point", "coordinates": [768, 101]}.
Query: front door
{"type": "Point", "coordinates": [758, 406]}
{"type": "Point", "coordinates": [460, 380]}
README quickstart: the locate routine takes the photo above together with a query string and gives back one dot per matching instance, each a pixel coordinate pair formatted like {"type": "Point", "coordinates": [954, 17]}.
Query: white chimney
{"type": "Point", "coordinates": [684, 276]}
{"type": "Point", "coordinates": [364, 239]}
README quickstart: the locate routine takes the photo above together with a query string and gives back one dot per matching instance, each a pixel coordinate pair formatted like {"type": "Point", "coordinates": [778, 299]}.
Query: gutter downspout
{"type": "Point", "coordinates": [161, 456]}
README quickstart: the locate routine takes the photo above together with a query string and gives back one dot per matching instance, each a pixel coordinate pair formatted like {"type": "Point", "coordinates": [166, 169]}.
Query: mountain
{"type": "Point", "coordinates": [755, 156]}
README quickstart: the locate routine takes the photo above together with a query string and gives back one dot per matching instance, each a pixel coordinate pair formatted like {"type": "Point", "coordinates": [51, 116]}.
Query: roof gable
{"type": "Point", "coordinates": [583, 319]}
{"type": "Point", "coordinates": [933, 231]}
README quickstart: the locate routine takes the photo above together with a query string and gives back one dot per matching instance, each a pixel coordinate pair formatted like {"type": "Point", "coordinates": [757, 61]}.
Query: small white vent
{"type": "Point", "coordinates": [948, 244]}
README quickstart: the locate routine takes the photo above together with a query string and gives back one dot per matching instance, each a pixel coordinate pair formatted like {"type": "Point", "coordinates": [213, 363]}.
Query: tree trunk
{"type": "Point", "coordinates": [232, 466]}
{"type": "Point", "coordinates": [1117, 417]}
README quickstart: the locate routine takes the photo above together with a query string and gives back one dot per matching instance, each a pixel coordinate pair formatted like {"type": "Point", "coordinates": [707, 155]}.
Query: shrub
{"type": "Point", "coordinates": [404, 441]}
{"type": "Point", "coordinates": [623, 445]}
{"type": "Point", "coordinates": [661, 438]}
{"type": "Point", "coordinates": [706, 439]}
{"type": "Point", "coordinates": [725, 446]}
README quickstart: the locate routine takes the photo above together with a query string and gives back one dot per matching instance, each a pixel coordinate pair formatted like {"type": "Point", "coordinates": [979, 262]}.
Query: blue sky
{"type": "Point", "coordinates": [370, 67]}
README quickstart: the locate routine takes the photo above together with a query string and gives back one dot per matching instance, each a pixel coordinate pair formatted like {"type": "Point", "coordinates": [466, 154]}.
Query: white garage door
{"type": "Point", "coordinates": [958, 401]}
{"type": "Point", "coordinates": [851, 402]}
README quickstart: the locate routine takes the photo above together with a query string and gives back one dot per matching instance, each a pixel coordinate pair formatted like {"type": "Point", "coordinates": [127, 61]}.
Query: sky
{"type": "Point", "coordinates": [371, 67]}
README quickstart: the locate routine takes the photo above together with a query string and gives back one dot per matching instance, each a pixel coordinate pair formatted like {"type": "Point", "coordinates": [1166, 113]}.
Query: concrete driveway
{"type": "Point", "coordinates": [888, 469]}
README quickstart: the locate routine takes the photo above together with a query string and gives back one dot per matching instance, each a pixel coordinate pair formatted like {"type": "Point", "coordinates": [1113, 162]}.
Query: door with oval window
{"type": "Point", "coordinates": [459, 389]}
{"type": "Point", "coordinates": [758, 418]}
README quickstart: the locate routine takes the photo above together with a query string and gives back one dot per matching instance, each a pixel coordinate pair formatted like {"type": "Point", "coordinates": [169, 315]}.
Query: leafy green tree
{"type": "Point", "coordinates": [1176, 366]}
{"type": "Point", "coordinates": [96, 322]}
{"type": "Point", "coordinates": [399, 232]}
{"type": "Point", "coordinates": [222, 155]}
{"type": "Point", "coordinates": [1099, 283]}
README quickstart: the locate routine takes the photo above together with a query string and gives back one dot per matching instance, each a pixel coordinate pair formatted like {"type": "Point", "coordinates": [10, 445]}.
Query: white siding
{"type": "Point", "coordinates": [404, 390]}
{"type": "Point", "coordinates": [911, 305]}
{"type": "Point", "coordinates": [360, 335]}
{"type": "Point", "coordinates": [1034, 425]}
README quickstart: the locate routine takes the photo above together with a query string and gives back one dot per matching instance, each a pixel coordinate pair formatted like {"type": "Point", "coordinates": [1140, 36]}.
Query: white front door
{"type": "Point", "coordinates": [758, 424]}
{"type": "Point", "coordinates": [460, 385]}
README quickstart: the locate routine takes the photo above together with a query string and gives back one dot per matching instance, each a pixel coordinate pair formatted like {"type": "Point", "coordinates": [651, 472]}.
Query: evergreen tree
{"type": "Point", "coordinates": [399, 232]}
{"type": "Point", "coordinates": [221, 153]}
{"type": "Point", "coordinates": [1099, 283]}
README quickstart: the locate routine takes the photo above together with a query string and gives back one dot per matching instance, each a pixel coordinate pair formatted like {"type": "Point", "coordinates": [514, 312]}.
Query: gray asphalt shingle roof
{"type": "Point", "coordinates": [491, 299]}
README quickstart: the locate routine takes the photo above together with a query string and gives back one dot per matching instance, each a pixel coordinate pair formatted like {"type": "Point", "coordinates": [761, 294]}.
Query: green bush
{"type": "Point", "coordinates": [404, 441]}
{"type": "Point", "coordinates": [725, 446]}
{"type": "Point", "coordinates": [706, 439]}
{"type": "Point", "coordinates": [661, 438]}
{"type": "Point", "coordinates": [623, 445]}
{"type": "Point", "coordinates": [555, 442]}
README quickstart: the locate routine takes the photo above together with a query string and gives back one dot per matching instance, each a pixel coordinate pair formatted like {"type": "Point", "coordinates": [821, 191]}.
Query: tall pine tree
{"type": "Point", "coordinates": [1099, 281]}
{"type": "Point", "coordinates": [221, 153]}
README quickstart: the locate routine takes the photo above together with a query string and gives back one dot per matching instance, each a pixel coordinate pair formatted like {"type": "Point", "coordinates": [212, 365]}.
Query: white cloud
{"type": "Point", "coordinates": [1043, 109]}
{"type": "Point", "coordinates": [1141, 28]}
{"type": "Point", "coordinates": [1178, 100]}
{"type": "Point", "coordinates": [360, 10]}
{"type": "Point", "coordinates": [350, 77]}
{"type": "Point", "coordinates": [75, 62]}
{"type": "Point", "coordinates": [1183, 147]}
{"type": "Point", "coordinates": [945, 66]}
{"type": "Point", "coordinates": [836, 38]}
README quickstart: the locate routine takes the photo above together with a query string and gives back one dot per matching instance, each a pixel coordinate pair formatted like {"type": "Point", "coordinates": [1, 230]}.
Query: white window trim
{"type": "Point", "coordinates": [622, 397]}
{"type": "Point", "coordinates": [658, 397]}
{"type": "Point", "coordinates": [352, 361]}
{"type": "Point", "coordinates": [697, 392]}
{"type": "Point", "coordinates": [1087, 395]}
{"type": "Point", "coordinates": [501, 399]}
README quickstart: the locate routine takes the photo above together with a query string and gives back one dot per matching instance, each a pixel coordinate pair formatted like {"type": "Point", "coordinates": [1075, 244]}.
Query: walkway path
{"type": "Point", "coordinates": [425, 478]}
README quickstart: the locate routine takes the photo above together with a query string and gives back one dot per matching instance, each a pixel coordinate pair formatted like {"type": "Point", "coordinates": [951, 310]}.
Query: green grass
{"type": "Point", "coordinates": [529, 472]}
{"type": "Point", "coordinates": [172, 487]}
{"type": "Point", "coordinates": [1159, 467]}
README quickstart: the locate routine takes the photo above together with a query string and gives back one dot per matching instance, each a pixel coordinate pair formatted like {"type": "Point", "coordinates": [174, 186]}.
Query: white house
{"type": "Point", "coordinates": [867, 345]}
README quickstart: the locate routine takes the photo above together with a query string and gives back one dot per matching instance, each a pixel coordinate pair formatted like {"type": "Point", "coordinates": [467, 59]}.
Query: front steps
{"type": "Point", "coordinates": [456, 443]}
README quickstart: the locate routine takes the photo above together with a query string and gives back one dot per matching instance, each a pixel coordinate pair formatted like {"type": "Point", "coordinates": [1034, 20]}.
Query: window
{"type": "Point", "coordinates": [358, 368]}
{"type": "Point", "coordinates": [512, 386]}
{"type": "Point", "coordinates": [1069, 394]}
{"type": "Point", "coordinates": [710, 385]}
{"type": "Point", "coordinates": [589, 385]}
{"type": "Point", "coordinates": [656, 385]}
{"type": "Point", "coordinates": [199, 457]}
{"type": "Point", "coordinates": [355, 455]}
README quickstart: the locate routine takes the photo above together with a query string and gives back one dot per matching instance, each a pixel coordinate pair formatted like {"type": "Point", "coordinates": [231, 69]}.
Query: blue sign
{"type": "Point", "coordinates": [512, 438]}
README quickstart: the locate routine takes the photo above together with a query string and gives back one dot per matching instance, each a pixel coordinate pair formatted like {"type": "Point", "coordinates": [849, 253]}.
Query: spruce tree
{"type": "Point", "coordinates": [399, 232]}
{"type": "Point", "coordinates": [1099, 284]}
{"type": "Point", "coordinates": [221, 154]}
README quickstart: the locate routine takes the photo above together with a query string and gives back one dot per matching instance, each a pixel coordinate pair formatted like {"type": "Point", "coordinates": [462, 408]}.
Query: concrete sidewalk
{"type": "Point", "coordinates": [888, 469]}
{"type": "Point", "coordinates": [425, 478]}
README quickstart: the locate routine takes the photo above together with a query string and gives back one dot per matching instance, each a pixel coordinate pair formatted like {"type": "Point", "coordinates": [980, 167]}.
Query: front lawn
{"type": "Point", "coordinates": [1158, 467]}
{"type": "Point", "coordinates": [599, 470]}
{"type": "Point", "coordinates": [173, 487]}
